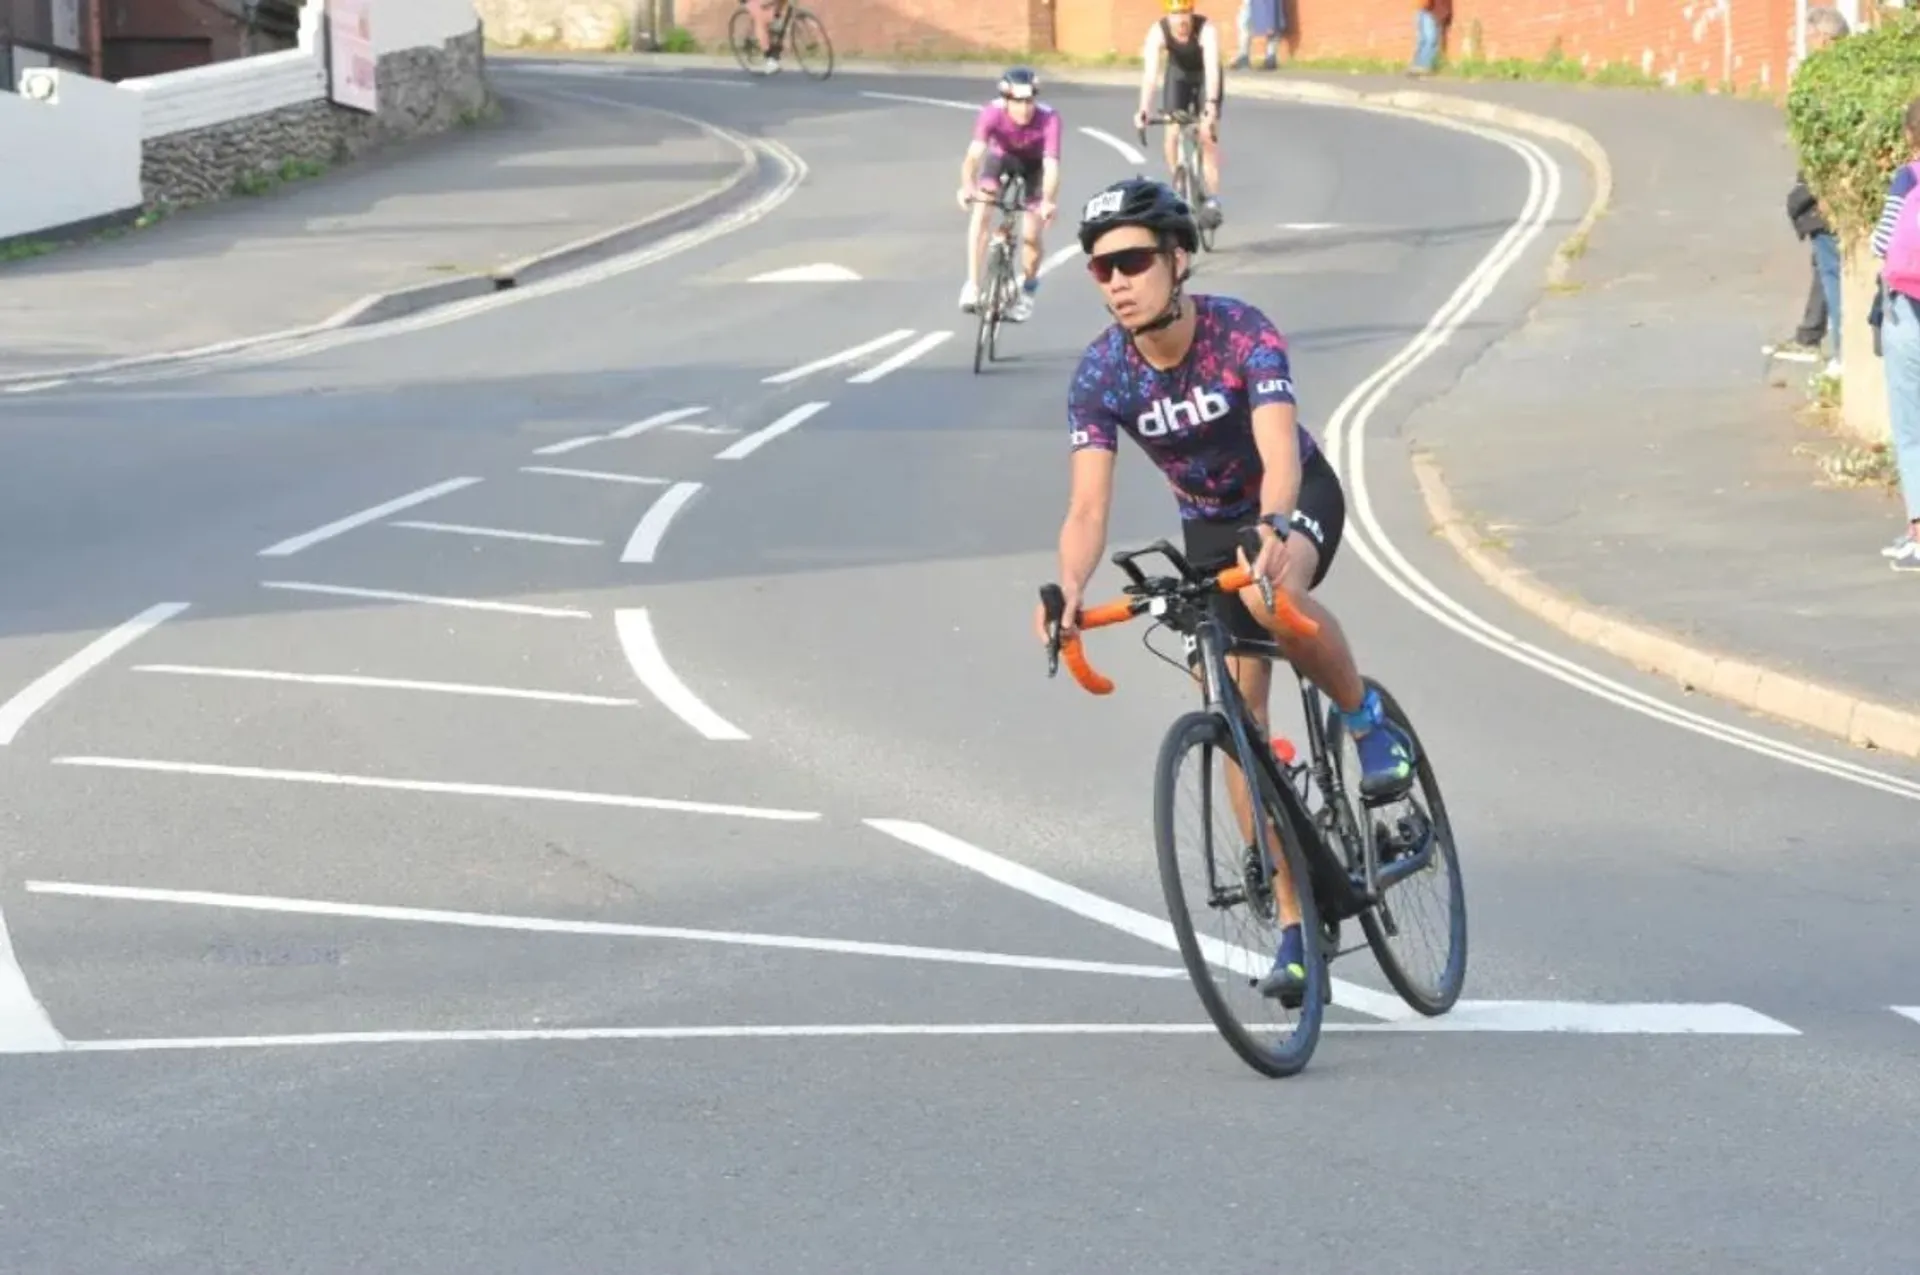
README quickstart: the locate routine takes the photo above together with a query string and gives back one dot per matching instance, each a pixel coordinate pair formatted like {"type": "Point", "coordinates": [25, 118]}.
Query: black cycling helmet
{"type": "Point", "coordinates": [1139, 201]}
{"type": "Point", "coordinates": [1021, 78]}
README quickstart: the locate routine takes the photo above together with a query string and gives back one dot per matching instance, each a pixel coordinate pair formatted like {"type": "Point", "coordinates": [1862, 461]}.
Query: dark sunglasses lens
{"type": "Point", "coordinates": [1128, 261]}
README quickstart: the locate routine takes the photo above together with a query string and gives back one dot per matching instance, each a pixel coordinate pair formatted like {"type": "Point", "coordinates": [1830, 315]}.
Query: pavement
{"type": "Point", "coordinates": [1627, 466]}
{"type": "Point", "coordinates": [551, 787]}
{"type": "Point", "coordinates": [426, 222]}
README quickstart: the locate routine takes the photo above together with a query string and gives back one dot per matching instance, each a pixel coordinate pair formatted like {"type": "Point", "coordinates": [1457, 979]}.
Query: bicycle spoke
{"type": "Point", "coordinates": [1224, 911]}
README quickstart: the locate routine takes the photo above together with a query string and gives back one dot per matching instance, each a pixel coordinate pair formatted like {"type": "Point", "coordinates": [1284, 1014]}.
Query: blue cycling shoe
{"type": "Point", "coordinates": [1386, 753]}
{"type": "Point", "coordinates": [1288, 978]}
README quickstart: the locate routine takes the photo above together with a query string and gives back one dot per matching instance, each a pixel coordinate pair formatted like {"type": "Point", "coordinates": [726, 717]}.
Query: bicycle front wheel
{"type": "Point", "coordinates": [1214, 882]}
{"type": "Point", "coordinates": [807, 37]}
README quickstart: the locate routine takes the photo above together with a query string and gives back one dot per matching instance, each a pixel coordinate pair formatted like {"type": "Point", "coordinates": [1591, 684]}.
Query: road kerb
{"type": "Point", "coordinates": [1769, 692]}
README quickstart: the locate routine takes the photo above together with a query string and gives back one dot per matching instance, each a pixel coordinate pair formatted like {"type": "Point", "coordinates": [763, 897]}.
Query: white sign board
{"type": "Point", "coordinates": [351, 66]}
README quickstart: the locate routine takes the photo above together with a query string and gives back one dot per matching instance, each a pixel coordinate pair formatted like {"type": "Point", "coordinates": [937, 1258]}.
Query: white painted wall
{"type": "Point", "coordinates": [74, 152]}
{"type": "Point", "coordinates": [70, 146]}
{"type": "Point", "coordinates": [201, 96]}
{"type": "Point", "coordinates": [415, 24]}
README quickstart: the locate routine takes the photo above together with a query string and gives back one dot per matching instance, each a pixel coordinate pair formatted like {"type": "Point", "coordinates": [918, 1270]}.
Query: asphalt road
{"type": "Point", "coordinates": [225, 887]}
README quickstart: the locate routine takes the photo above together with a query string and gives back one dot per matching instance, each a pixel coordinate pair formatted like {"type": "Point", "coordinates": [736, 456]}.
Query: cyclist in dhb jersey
{"type": "Point", "coordinates": [1204, 386]}
{"type": "Point", "coordinates": [1015, 131]}
{"type": "Point", "coordinates": [1188, 46]}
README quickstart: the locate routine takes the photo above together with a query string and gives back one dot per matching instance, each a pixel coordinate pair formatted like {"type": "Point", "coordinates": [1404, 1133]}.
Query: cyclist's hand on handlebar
{"type": "Point", "coordinates": [964, 197]}
{"type": "Point", "coordinates": [1271, 564]}
{"type": "Point", "coordinates": [1139, 119]}
{"type": "Point", "coordinates": [1046, 209]}
{"type": "Point", "coordinates": [1070, 618]}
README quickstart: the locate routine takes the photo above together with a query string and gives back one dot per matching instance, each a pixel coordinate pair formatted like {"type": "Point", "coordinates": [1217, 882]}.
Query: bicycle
{"type": "Point", "coordinates": [1002, 284]}
{"type": "Point", "coordinates": [1347, 871]}
{"type": "Point", "coordinates": [1189, 174]}
{"type": "Point", "coordinates": [803, 23]}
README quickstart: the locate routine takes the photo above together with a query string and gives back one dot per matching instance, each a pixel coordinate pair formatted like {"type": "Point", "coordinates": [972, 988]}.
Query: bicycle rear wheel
{"type": "Point", "coordinates": [1218, 870]}
{"type": "Point", "coordinates": [807, 37]}
{"type": "Point", "coordinates": [1398, 829]}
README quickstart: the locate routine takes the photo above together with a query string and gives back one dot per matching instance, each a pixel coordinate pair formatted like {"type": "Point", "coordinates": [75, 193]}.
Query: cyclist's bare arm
{"type": "Point", "coordinates": [1050, 182]}
{"type": "Point", "coordinates": [1278, 441]}
{"type": "Point", "coordinates": [1211, 73]}
{"type": "Point", "coordinates": [1150, 55]}
{"type": "Point", "coordinates": [970, 162]}
{"type": "Point", "coordinates": [1083, 536]}
{"type": "Point", "coordinates": [970, 167]}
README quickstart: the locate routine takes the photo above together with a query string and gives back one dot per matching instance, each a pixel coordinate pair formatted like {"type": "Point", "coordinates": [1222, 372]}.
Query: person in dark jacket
{"type": "Point", "coordinates": [1822, 315]}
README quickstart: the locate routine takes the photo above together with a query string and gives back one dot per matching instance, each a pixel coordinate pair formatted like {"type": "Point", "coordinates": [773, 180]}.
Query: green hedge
{"type": "Point", "coordinates": [1844, 115]}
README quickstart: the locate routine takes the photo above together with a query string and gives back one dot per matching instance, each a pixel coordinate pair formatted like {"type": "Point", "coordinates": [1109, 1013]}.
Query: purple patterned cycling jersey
{"type": "Point", "coordinates": [1194, 421]}
{"type": "Point", "coordinates": [1038, 138]}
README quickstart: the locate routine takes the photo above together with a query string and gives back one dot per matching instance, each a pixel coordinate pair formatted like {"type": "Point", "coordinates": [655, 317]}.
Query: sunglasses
{"type": "Point", "coordinates": [1130, 262]}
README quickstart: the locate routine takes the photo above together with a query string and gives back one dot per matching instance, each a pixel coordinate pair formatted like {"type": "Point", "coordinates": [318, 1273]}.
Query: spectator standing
{"type": "Point", "coordinates": [1822, 315]}
{"type": "Point", "coordinates": [1896, 241]}
{"type": "Point", "coordinates": [1430, 21]}
{"type": "Point", "coordinates": [1266, 19]}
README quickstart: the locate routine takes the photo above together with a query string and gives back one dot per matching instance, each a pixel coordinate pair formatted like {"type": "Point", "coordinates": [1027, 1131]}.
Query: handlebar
{"type": "Point", "coordinates": [1143, 594]}
{"type": "Point", "coordinates": [1166, 117]}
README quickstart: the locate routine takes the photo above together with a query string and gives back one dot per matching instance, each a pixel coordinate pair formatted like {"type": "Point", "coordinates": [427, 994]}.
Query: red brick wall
{"type": "Point", "coordinates": [901, 26]}
{"type": "Point", "coordinates": [1744, 43]}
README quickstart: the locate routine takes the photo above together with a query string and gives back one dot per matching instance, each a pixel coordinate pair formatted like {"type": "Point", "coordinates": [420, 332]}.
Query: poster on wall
{"type": "Point", "coordinates": [351, 77]}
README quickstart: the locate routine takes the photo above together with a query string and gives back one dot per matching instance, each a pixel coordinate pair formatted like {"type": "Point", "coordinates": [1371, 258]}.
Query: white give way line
{"type": "Point", "coordinates": [548, 925]}
{"type": "Point", "coordinates": [642, 649]}
{"type": "Point", "coordinates": [854, 353]}
{"type": "Point", "coordinates": [1713, 1018]}
{"type": "Point", "coordinates": [42, 690]}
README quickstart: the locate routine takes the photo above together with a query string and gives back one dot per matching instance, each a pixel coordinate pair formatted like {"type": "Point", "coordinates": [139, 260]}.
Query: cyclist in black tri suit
{"type": "Point", "coordinates": [1204, 386]}
{"type": "Point", "coordinates": [1193, 82]}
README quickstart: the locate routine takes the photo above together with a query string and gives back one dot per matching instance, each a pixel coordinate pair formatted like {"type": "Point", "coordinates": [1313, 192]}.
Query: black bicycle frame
{"type": "Point", "coordinates": [1336, 892]}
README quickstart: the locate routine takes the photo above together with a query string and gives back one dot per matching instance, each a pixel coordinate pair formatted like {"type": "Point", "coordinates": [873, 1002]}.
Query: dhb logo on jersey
{"type": "Point", "coordinates": [1171, 415]}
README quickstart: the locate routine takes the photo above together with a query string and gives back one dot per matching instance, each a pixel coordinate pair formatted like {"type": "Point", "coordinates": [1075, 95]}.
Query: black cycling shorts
{"type": "Point", "coordinates": [996, 164]}
{"type": "Point", "coordinates": [1320, 515]}
{"type": "Point", "coordinates": [1189, 93]}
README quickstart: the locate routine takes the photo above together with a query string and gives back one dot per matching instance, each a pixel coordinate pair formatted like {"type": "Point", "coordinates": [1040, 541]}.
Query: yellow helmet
{"type": "Point", "coordinates": [1179, 6]}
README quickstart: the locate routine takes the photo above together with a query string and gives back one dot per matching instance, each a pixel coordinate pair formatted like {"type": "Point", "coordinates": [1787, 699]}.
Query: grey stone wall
{"type": "Point", "coordinates": [421, 91]}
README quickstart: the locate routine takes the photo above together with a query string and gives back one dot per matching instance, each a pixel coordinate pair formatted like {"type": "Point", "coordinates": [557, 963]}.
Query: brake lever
{"type": "Point", "coordinates": [1250, 545]}
{"type": "Point", "coordinates": [1054, 602]}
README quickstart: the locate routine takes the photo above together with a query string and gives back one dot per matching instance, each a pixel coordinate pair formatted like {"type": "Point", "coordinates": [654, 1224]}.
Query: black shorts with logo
{"type": "Point", "coordinates": [996, 167]}
{"type": "Point", "coordinates": [1320, 515]}
{"type": "Point", "coordinates": [1182, 92]}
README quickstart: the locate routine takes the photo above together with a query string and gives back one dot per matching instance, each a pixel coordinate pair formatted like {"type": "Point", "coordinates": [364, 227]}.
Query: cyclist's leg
{"type": "Point", "coordinates": [986, 183]}
{"type": "Point", "coordinates": [1326, 658]}
{"type": "Point", "coordinates": [1033, 175]}
{"type": "Point", "coordinates": [762, 25]}
{"type": "Point", "coordinates": [1173, 97]}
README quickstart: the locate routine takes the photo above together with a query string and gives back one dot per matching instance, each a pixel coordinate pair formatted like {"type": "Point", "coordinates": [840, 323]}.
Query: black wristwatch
{"type": "Point", "coordinates": [1280, 524]}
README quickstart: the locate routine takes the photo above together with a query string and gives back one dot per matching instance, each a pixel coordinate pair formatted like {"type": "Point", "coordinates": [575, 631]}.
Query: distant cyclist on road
{"type": "Point", "coordinates": [1203, 385]}
{"type": "Point", "coordinates": [1015, 131]}
{"type": "Point", "coordinates": [1188, 46]}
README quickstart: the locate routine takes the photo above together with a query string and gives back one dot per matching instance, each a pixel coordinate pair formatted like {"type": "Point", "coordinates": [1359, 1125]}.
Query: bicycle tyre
{"type": "Point", "coordinates": [984, 334]}
{"type": "Point", "coordinates": [1197, 183]}
{"type": "Point", "coordinates": [739, 32]}
{"type": "Point", "coordinates": [1435, 1002]}
{"type": "Point", "coordinates": [803, 23]}
{"type": "Point", "coordinates": [1202, 729]}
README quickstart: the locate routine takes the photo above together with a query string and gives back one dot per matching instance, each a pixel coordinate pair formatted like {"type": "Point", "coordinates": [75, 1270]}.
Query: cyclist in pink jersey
{"type": "Point", "coordinates": [1016, 132]}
